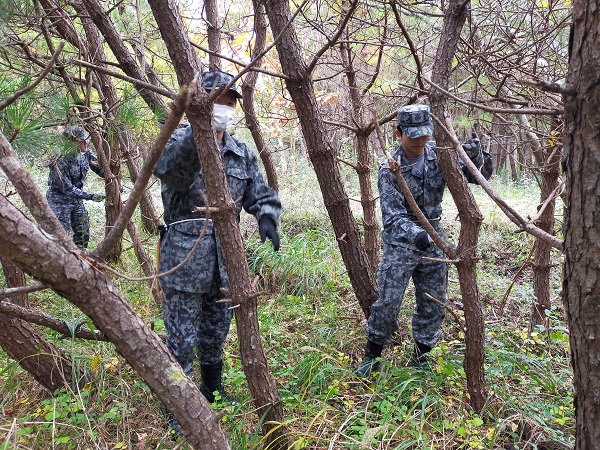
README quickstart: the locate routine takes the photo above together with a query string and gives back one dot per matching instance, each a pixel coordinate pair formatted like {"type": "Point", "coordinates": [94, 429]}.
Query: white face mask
{"type": "Point", "coordinates": [223, 116]}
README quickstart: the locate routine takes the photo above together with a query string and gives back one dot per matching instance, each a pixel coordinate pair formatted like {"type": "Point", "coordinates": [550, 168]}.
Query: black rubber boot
{"type": "Point", "coordinates": [370, 362]}
{"type": "Point", "coordinates": [420, 356]}
{"type": "Point", "coordinates": [173, 428]}
{"type": "Point", "coordinates": [212, 381]}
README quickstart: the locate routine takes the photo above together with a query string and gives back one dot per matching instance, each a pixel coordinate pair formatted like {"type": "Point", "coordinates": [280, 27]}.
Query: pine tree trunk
{"type": "Point", "coordinates": [581, 281]}
{"type": "Point", "coordinates": [470, 216]}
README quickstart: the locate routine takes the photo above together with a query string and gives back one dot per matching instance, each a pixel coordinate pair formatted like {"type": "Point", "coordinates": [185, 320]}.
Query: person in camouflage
{"type": "Point", "coordinates": [406, 243]}
{"type": "Point", "coordinates": [194, 319]}
{"type": "Point", "coordinates": [65, 192]}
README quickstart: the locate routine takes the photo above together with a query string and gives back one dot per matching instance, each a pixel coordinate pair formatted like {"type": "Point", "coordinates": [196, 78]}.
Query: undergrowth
{"type": "Point", "coordinates": [313, 334]}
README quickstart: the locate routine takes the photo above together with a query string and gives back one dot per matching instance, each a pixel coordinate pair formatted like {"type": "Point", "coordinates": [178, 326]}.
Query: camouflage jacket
{"type": "Point", "coordinates": [400, 224]}
{"type": "Point", "coordinates": [68, 173]}
{"type": "Point", "coordinates": [181, 175]}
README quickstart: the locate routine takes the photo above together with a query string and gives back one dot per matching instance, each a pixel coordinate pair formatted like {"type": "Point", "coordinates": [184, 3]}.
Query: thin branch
{"type": "Point", "coordinates": [39, 79]}
{"type": "Point", "coordinates": [487, 187]}
{"type": "Point", "coordinates": [171, 123]}
{"type": "Point", "coordinates": [450, 310]}
{"type": "Point", "coordinates": [40, 318]}
{"type": "Point", "coordinates": [135, 81]}
{"type": "Point", "coordinates": [536, 112]}
{"type": "Point", "coordinates": [411, 45]}
{"type": "Point", "coordinates": [237, 62]}
{"type": "Point", "coordinates": [11, 292]}
{"type": "Point", "coordinates": [331, 42]}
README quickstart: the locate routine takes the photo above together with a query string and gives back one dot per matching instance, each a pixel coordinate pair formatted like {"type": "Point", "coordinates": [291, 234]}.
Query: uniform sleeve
{"type": "Point", "coordinates": [259, 199]}
{"type": "Point", "coordinates": [94, 164]}
{"type": "Point", "coordinates": [178, 164]}
{"type": "Point", "coordinates": [60, 179]}
{"type": "Point", "coordinates": [485, 164]}
{"type": "Point", "coordinates": [394, 214]}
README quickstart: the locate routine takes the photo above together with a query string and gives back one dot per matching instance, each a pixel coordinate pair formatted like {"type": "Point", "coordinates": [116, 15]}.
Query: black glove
{"type": "Point", "coordinates": [422, 241]}
{"type": "Point", "coordinates": [266, 229]}
{"type": "Point", "coordinates": [98, 197]}
{"type": "Point", "coordinates": [472, 146]}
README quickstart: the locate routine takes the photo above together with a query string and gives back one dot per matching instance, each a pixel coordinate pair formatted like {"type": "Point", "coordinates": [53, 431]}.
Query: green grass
{"type": "Point", "coordinates": [313, 333]}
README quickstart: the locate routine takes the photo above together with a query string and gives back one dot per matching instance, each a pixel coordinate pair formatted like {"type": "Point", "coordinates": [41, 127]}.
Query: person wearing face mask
{"type": "Point", "coordinates": [196, 323]}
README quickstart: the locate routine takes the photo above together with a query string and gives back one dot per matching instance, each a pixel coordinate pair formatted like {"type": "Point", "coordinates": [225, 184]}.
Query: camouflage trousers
{"type": "Point", "coordinates": [196, 325]}
{"type": "Point", "coordinates": [72, 215]}
{"type": "Point", "coordinates": [398, 265]}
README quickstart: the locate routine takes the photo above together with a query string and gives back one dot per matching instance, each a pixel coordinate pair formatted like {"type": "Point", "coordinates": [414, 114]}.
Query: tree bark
{"type": "Point", "coordinates": [541, 256]}
{"type": "Point", "coordinates": [581, 282]}
{"type": "Point", "coordinates": [364, 163]}
{"type": "Point", "coordinates": [470, 217]}
{"type": "Point", "coordinates": [93, 292]}
{"type": "Point", "coordinates": [260, 30]}
{"type": "Point", "coordinates": [322, 154]}
{"type": "Point", "coordinates": [45, 362]}
{"type": "Point", "coordinates": [126, 60]}
{"type": "Point", "coordinates": [222, 209]}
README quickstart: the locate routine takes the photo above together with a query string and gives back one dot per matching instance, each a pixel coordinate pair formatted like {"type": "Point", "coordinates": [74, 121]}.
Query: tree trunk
{"type": "Point", "coordinates": [213, 34]}
{"type": "Point", "coordinates": [126, 60]}
{"type": "Point", "coordinates": [46, 363]}
{"type": "Point", "coordinates": [242, 293]}
{"type": "Point", "coordinates": [260, 30]}
{"type": "Point", "coordinates": [541, 256]}
{"type": "Point", "coordinates": [73, 277]}
{"type": "Point", "coordinates": [581, 283]}
{"type": "Point", "coordinates": [321, 154]}
{"type": "Point", "coordinates": [364, 163]}
{"type": "Point", "coordinates": [469, 214]}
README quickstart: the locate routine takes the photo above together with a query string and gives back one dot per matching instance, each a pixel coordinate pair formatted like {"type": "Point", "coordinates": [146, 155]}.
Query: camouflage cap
{"type": "Point", "coordinates": [415, 121]}
{"type": "Point", "coordinates": [215, 78]}
{"type": "Point", "coordinates": [75, 133]}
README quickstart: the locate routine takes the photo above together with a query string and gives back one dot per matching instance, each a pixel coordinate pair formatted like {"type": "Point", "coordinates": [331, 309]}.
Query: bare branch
{"type": "Point", "coordinates": [538, 112]}
{"type": "Point", "coordinates": [134, 81]}
{"type": "Point", "coordinates": [487, 187]}
{"type": "Point", "coordinates": [179, 105]}
{"type": "Point", "coordinates": [331, 42]}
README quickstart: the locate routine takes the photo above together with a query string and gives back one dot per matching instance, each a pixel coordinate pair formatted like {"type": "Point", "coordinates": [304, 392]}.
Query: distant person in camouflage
{"type": "Point", "coordinates": [406, 243]}
{"type": "Point", "coordinates": [196, 323]}
{"type": "Point", "coordinates": [65, 193]}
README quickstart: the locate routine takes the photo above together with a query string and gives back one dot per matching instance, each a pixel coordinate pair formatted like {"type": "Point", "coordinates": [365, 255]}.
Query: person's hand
{"type": "Point", "coordinates": [423, 241]}
{"type": "Point", "coordinates": [98, 197]}
{"type": "Point", "coordinates": [266, 229]}
{"type": "Point", "coordinates": [472, 146]}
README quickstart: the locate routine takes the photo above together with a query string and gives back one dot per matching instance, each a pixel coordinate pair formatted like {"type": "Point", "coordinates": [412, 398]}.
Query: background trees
{"type": "Point", "coordinates": [326, 87]}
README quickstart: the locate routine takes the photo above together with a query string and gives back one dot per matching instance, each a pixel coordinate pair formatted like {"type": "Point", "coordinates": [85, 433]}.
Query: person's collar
{"type": "Point", "coordinates": [229, 144]}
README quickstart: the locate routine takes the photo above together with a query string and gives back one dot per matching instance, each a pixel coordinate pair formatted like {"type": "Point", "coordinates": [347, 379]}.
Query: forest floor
{"type": "Point", "coordinates": [313, 330]}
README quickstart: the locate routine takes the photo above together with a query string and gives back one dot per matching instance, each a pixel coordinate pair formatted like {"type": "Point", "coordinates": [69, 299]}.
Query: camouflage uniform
{"type": "Point", "coordinates": [65, 192]}
{"type": "Point", "coordinates": [192, 317]}
{"type": "Point", "coordinates": [402, 260]}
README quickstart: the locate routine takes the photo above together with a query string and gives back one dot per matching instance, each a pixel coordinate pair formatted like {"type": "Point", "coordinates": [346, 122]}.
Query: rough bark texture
{"type": "Point", "coordinates": [364, 164]}
{"type": "Point", "coordinates": [541, 256]}
{"type": "Point", "coordinates": [322, 154]}
{"type": "Point", "coordinates": [46, 363]}
{"type": "Point", "coordinates": [470, 216]}
{"type": "Point", "coordinates": [260, 30]}
{"type": "Point", "coordinates": [581, 285]}
{"type": "Point", "coordinates": [213, 33]}
{"type": "Point", "coordinates": [222, 209]}
{"type": "Point", "coordinates": [86, 287]}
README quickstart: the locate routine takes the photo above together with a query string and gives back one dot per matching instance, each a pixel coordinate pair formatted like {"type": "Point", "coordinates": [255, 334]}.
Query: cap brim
{"type": "Point", "coordinates": [415, 132]}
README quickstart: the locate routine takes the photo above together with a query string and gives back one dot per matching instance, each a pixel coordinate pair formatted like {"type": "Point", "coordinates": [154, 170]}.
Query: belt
{"type": "Point", "coordinates": [200, 219]}
{"type": "Point", "coordinates": [434, 222]}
